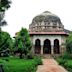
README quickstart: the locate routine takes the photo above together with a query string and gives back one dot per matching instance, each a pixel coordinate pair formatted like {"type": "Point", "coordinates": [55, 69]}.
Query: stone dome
{"type": "Point", "coordinates": [46, 17]}
{"type": "Point", "coordinates": [46, 21]}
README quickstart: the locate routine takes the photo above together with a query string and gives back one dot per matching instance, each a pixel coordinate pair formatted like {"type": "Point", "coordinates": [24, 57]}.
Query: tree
{"type": "Point", "coordinates": [5, 42]}
{"type": "Point", "coordinates": [69, 43]}
{"type": "Point", "coordinates": [4, 5]}
{"type": "Point", "coordinates": [22, 42]}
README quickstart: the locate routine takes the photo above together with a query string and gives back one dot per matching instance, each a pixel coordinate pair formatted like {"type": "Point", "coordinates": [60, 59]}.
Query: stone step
{"type": "Point", "coordinates": [47, 56]}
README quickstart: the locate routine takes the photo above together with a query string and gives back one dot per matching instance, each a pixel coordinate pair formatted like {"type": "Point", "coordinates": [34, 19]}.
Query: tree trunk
{"type": "Point", "coordinates": [0, 54]}
{"type": "Point", "coordinates": [1, 68]}
{"type": "Point", "coordinates": [0, 29]}
{"type": "Point", "coordinates": [20, 55]}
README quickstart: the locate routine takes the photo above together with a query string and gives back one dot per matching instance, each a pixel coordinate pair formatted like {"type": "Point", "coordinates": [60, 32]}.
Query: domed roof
{"type": "Point", "coordinates": [46, 22]}
{"type": "Point", "coordinates": [47, 17]}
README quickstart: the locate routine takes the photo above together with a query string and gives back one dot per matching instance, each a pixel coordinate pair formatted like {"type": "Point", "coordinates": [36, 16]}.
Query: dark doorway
{"type": "Point", "coordinates": [56, 46]}
{"type": "Point", "coordinates": [47, 47]}
{"type": "Point", "coordinates": [37, 46]}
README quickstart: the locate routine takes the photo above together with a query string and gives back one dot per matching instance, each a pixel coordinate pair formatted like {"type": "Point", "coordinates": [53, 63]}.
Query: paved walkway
{"type": "Point", "coordinates": [50, 65]}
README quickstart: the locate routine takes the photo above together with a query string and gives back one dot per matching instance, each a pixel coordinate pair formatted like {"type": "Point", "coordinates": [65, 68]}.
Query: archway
{"type": "Point", "coordinates": [37, 46]}
{"type": "Point", "coordinates": [56, 46]}
{"type": "Point", "coordinates": [47, 47]}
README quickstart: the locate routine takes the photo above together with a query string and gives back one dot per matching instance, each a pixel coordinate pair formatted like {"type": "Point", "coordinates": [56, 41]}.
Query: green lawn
{"type": "Point", "coordinates": [20, 65]}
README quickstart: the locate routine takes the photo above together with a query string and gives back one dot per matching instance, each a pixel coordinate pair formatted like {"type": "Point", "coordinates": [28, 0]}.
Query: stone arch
{"type": "Point", "coordinates": [47, 46]}
{"type": "Point", "coordinates": [37, 46]}
{"type": "Point", "coordinates": [56, 46]}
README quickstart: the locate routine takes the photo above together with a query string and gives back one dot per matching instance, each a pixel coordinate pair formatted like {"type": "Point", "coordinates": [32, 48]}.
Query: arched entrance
{"type": "Point", "coordinates": [56, 46]}
{"type": "Point", "coordinates": [37, 46]}
{"type": "Point", "coordinates": [47, 47]}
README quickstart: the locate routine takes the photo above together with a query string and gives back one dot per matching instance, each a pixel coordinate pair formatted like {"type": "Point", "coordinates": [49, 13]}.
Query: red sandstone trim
{"type": "Point", "coordinates": [48, 33]}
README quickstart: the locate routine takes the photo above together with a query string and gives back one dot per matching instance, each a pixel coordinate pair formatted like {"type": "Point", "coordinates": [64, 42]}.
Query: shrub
{"type": "Point", "coordinates": [38, 60]}
{"type": "Point", "coordinates": [62, 62]}
{"type": "Point", "coordinates": [30, 55]}
{"type": "Point", "coordinates": [66, 61]}
{"type": "Point", "coordinates": [68, 66]}
{"type": "Point", "coordinates": [69, 43]}
{"type": "Point", "coordinates": [66, 56]}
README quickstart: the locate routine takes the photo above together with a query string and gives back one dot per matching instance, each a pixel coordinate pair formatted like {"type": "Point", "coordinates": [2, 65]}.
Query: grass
{"type": "Point", "coordinates": [20, 65]}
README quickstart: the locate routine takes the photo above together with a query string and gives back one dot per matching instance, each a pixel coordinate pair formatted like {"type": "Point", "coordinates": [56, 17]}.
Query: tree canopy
{"type": "Point", "coordinates": [5, 41]}
{"type": "Point", "coordinates": [4, 5]}
{"type": "Point", "coordinates": [22, 42]}
{"type": "Point", "coordinates": [69, 43]}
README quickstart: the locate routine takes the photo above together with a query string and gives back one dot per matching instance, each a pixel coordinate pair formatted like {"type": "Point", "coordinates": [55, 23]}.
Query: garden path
{"type": "Point", "coordinates": [50, 65]}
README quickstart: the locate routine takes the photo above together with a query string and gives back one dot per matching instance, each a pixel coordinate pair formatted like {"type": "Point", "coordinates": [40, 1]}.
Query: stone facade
{"type": "Point", "coordinates": [47, 34]}
{"type": "Point", "coordinates": [42, 38]}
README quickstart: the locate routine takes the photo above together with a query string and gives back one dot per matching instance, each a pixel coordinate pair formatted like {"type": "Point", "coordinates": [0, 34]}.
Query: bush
{"type": "Point", "coordinates": [67, 56]}
{"type": "Point", "coordinates": [66, 61]}
{"type": "Point", "coordinates": [62, 61]}
{"type": "Point", "coordinates": [69, 43]}
{"type": "Point", "coordinates": [68, 66]}
{"type": "Point", "coordinates": [38, 60]}
{"type": "Point", "coordinates": [30, 55]}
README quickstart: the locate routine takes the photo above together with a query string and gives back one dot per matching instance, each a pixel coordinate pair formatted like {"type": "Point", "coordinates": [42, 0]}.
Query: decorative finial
{"type": "Point", "coordinates": [46, 12]}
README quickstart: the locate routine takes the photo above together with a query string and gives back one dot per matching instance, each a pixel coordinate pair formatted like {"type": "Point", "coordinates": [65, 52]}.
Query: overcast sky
{"type": "Point", "coordinates": [22, 12]}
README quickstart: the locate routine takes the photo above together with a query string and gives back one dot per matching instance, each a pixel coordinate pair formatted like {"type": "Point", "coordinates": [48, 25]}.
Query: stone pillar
{"type": "Point", "coordinates": [33, 47]}
{"type": "Point", "coordinates": [52, 46]}
{"type": "Point", "coordinates": [52, 49]}
{"type": "Point", "coordinates": [41, 50]}
{"type": "Point", "coordinates": [62, 49]}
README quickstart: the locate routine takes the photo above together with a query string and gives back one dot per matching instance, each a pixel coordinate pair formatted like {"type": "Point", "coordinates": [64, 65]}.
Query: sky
{"type": "Point", "coordinates": [22, 12]}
